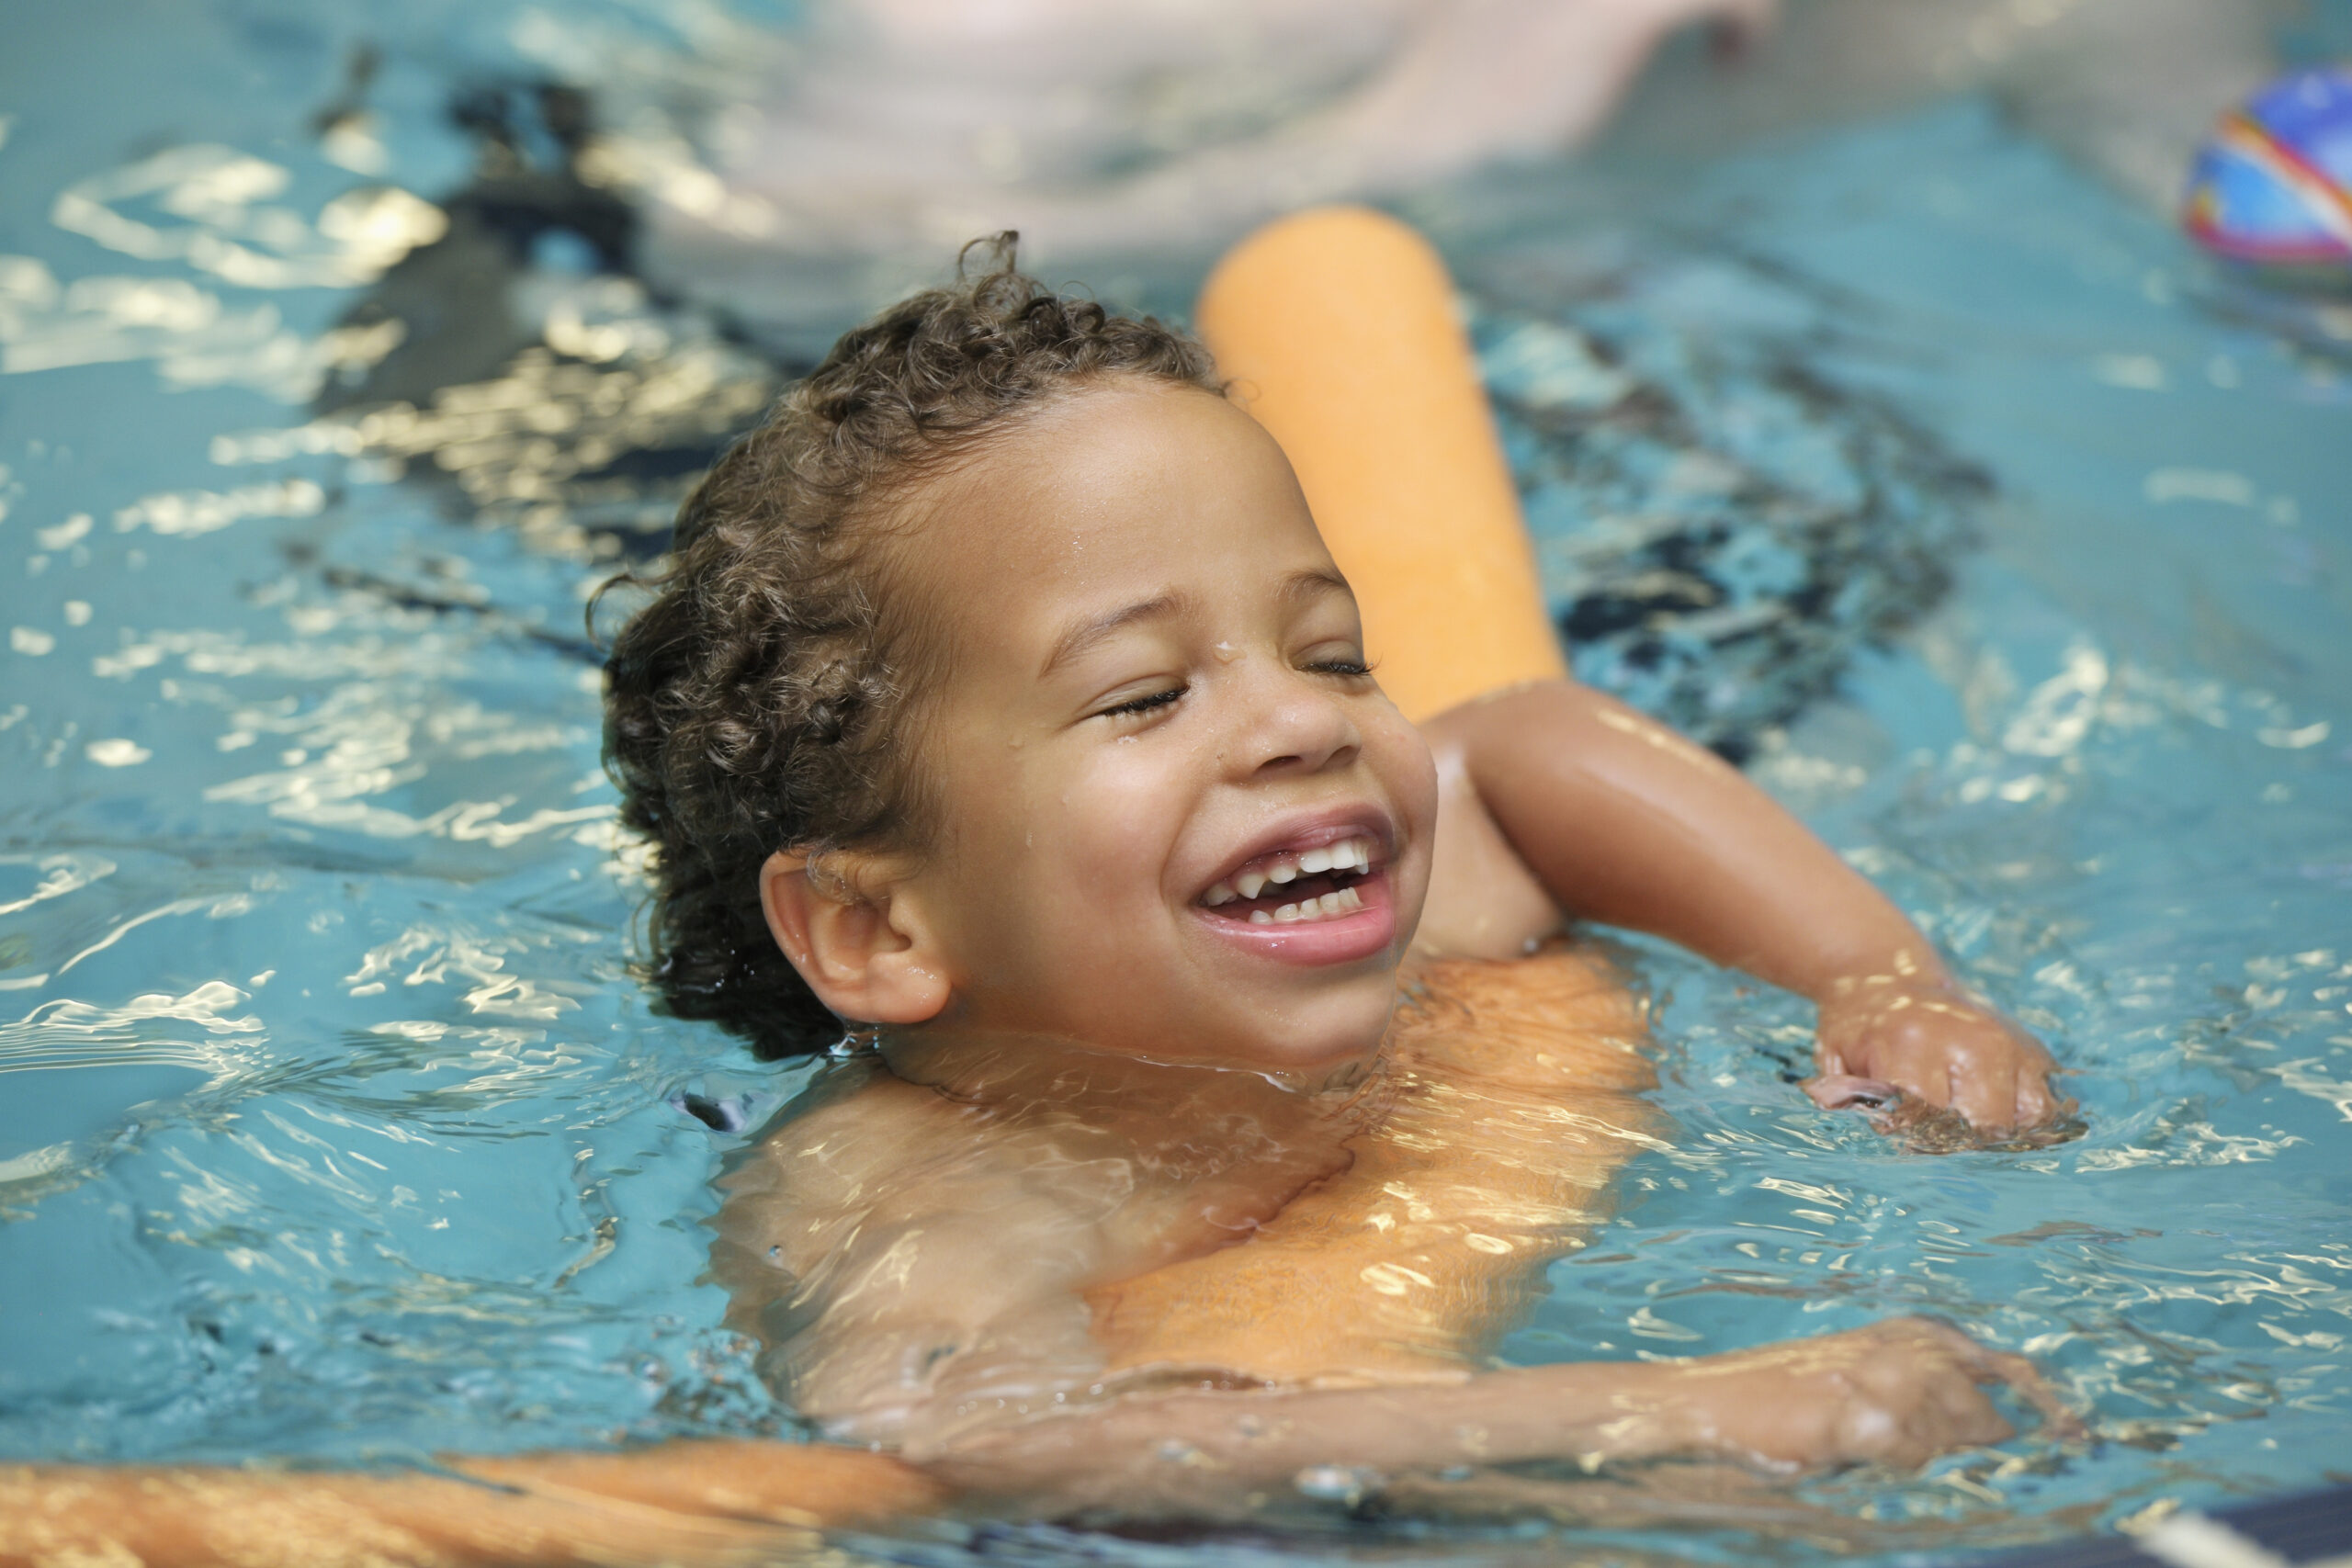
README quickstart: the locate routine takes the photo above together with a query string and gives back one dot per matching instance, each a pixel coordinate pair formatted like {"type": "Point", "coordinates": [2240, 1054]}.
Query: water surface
{"type": "Point", "coordinates": [332, 1123]}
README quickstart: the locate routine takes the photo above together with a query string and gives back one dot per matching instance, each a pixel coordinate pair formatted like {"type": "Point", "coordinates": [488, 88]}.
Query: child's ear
{"type": "Point", "coordinates": [867, 954]}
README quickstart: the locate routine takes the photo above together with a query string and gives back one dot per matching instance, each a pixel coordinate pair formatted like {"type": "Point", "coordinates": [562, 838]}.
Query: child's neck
{"type": "Point", "coordinates": [1154, 1105]}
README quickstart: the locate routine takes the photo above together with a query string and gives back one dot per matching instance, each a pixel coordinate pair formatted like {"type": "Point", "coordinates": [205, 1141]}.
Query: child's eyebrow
{"type": "Point", "coordinates": [1313, 584]}
{"type": "Point", "coordinates": [1085, 634]}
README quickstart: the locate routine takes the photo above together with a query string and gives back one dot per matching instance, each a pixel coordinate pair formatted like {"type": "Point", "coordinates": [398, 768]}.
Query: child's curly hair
{"type": "Point", "coordinates": [759, 701]}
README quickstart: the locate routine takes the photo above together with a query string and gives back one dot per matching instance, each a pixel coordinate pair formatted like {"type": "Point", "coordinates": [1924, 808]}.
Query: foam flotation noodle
{"type": "Point", "coordinates": [1338, 329]}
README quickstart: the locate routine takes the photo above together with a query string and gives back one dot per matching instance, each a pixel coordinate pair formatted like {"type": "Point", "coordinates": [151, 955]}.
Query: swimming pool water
{"type": "Point", "coordinates": [332, 1123]}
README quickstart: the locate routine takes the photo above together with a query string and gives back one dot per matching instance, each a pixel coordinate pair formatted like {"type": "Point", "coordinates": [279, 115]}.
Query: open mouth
{"type": "Point", "coordinates": [1297, 887]}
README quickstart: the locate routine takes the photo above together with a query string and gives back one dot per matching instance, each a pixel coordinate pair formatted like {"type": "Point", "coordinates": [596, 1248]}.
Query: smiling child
{"type": "Point", "coordinates": [1005, 703]}
{"type": "Point", "coordinates": [1220, 1072]}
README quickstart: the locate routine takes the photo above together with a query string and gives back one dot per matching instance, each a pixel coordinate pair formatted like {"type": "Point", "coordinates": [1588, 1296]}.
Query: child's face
{"type": "Point", "coordinates": [1155, 706]}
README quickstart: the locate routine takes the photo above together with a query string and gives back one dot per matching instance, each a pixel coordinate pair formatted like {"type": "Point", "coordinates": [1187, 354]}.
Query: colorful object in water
{"type": "Point", "coordinates": [2274, 184]}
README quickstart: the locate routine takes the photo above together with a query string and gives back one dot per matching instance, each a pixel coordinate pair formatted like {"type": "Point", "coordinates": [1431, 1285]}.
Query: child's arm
{"type": "Point", "coordinates": [1897, 1394]}
{"type": "Point", "coordinates": [1628, 823]}
{"type": "Point", "coordinates": [942, 1327]}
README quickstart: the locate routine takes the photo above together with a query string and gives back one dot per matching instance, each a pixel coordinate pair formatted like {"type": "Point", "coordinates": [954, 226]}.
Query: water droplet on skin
{"type": "Point", "coordinates": [1226, 652]}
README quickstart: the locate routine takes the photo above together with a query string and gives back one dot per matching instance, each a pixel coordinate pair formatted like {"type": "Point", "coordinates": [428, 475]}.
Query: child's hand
{"type": "Point", "coordinates": [1944, 1052]}
{"type": "Point", "coordinates": [1897, 1392]}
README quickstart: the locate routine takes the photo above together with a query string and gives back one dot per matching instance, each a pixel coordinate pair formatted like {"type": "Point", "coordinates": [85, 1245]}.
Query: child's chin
{"type": "Point", "coordinates": [1309, 1051]}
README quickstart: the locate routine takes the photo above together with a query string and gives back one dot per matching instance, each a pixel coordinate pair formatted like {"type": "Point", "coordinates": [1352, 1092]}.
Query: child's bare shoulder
{"type": "Point", "coordinates": [885, 1241]}
{"type": "Point", "coordinates": [867, 1152]}
{"type": "Point", "coordinates": [854, 1126]}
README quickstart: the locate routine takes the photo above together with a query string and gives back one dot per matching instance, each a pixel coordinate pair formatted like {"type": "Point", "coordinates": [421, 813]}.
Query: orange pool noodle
{"type": "Point", "coordinates": [1338, 328]}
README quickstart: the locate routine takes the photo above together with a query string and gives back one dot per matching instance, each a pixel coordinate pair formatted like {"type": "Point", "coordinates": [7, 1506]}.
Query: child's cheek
{"type": "Point", "coordinates": [1410, 773]}
{"type": "Point", "coordinates": [1096, 832]}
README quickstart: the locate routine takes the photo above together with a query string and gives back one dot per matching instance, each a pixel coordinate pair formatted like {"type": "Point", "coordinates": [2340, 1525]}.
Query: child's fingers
{"type": "Point", "coordinates": [2000, 1081]}
{"type": "Point", "coordinates": [1989, 1366]}
{"type": "Point", "coordinates": [1967, 1416]}
{"type": "Point", "coordinates": [1928, 1378]}
{"type": "Point", "coordinates": [2058, 1417]}
{"type": "Point", "coordinates": [1970, 1065]}
{"type": "Point", "coordinates": [1985, 1092]}
{"type": "Point", "coordinates": [2036, 1104]}
{"type": "Point", "coordinates": [1943, 1377]}
{"type": "Point", "coordinates": [2014, 1093]}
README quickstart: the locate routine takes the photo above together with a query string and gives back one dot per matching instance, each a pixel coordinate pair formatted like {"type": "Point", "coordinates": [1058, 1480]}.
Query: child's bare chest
{"type": "Point", "coordinates": [1398, 1251]}
{"type": "Point", "coordinates": [1518, 1099]}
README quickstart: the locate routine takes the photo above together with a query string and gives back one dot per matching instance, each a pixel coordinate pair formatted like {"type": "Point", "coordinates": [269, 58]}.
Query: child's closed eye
{"type": "Point", "coordinates": [1144, 704]}
{"type": "Point", "coordinates": [1347, 667]}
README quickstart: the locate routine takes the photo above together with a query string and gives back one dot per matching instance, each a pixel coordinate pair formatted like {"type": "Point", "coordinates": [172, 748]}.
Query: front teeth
{"type": "Point", "coordinates": [1347, 900]}
{"type": "Point", "coordinates": [1349, 854]}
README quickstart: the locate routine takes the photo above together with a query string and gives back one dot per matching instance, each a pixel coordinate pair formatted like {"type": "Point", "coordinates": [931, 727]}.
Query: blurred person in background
{"type": "Point", "coordinates": [1152, 134]}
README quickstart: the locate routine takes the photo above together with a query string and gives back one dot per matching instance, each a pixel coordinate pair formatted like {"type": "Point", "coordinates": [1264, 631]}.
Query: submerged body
{"type": "Point", "coordinates": [923, 1263]}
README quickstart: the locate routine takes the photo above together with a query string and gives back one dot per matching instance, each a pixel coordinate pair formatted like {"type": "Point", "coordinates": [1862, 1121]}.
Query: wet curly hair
{"type": "Point", "coordinates": [761, 699]}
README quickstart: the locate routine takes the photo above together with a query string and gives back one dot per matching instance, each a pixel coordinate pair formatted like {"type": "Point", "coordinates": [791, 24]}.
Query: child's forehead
{"type": "Point", "coordinates": [1132, 468]}
{"type": "Point", "coordinates": [1126, 429]}
{"type": "Point", "coordinates": [1118, 497]}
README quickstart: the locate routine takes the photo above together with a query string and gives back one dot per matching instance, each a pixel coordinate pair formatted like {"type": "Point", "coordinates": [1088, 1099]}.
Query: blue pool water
{"type": "Point", "coordinates": [333, 1125]}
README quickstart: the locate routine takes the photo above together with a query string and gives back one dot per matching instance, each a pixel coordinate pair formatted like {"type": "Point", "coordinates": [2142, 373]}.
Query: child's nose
{"type": "Point", "coordinates": [1298, 727]}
